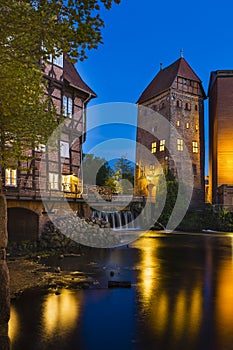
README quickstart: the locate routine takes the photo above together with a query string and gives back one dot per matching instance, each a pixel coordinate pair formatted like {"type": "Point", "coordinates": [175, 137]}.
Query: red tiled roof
{"type": "Point", "coordinates": [165, 77]}
{"type": "Point", "coordinates": [73, 77]}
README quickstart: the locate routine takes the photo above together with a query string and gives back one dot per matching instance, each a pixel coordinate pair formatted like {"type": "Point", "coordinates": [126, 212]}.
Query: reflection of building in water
{"type": "Point", "coordinates": [14, 326]}
{"type": "Point", "coordinates": [60, 312]}
{"type": "Point", "coordinates": [177, 94]}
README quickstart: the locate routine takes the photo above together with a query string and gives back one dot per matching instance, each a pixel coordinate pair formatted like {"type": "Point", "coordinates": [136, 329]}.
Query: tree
{"type": "Point", "coordinates": [96, 170]}
{"type": "Point", "coordinates": [124, 175]}
{"type": "Point", "coordinates": [30, 32]}
{"type": "Point", "coordinates": [171, 186]}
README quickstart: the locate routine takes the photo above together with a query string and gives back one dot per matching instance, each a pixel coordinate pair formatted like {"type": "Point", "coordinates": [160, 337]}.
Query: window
{"type": "Point", "coordinates": [194, 169]}
{"type": "Point", "coordinates": [142, 168]}
{"type": "Point", "coordinates": [179, 145]}
{"type": "Point", "coordinates": [53, 181]}
{"type": "Point", "coordinates": [40, 148]}
{"type": "Point", "coordinates": [64, 149]}
{"type": "Point", "coordinates": [178, 103]}
{"type": "Point", "coordinates": [154, 129]}
{"type": "Point", "coordinates": [152, 168]}
{"type": "Point", "coordinates": [187, 125]}
{"type": "Point", "coordinates": [153, 147]}
{"type": "Point", "coordinates": [162, 145]}
{"type": "Point", "coordinates": [195, 146]}
{"type": "Point", "coordinates": [178, 123]}
{"type": "Point", "coordinates": [11, 177]}
{"type": "Point", "coordinates": [196, 108]}
{"type": "Point", "coordinates": [58, 61]}
{"type": "Point", "coordinates": [67, 106]}
{"type": "Point", "coordinates": [196, 127]}
{"type": "Point", "coordinates": [188, 106]}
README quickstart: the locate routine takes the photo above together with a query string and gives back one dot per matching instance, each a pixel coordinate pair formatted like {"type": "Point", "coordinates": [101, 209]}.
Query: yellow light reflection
{"type": "Point", "coordinates": [160, 313]}
{"type": "Point", "coordinates": [180, 311]}
{"type": "Point", "coordinates": [61, 312]}
{"type": "Point", "coordinates": [13, 329]}
{"type": "Point", "coordinates": [195, 311]}
{"type": "Point", "coordinates": [147, 267]}
{"type": "Point", "coordinates": [224, 299]}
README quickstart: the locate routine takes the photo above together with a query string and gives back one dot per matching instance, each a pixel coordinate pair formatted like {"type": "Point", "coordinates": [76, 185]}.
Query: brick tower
{"type": "Point", "coordinates": [176, 93]}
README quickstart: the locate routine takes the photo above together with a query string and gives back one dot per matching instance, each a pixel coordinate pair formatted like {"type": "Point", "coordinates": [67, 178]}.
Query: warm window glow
{"type": "Point", "coordinates": [187, 125]}
{"type": "Point", "coordinates": [195, 147]}
{"type": "Point", "coordinates": [178, 123]}
{"type": "Point", "coordinates": [196, 127]}
{"type": "Point", "coordinates": [179, 145]}
{"type": "Point", "coordinates": [153, 147]}
{"type": "Point", "coordinates": [162, 145]}
{"type": "Point", "coordinates": [11, 177]}
{"type": "Point", "coordinates": [53, 181]}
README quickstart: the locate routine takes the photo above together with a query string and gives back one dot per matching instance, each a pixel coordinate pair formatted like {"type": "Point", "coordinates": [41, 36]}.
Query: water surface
{"type": "Point", "coordinates": [181, 298]}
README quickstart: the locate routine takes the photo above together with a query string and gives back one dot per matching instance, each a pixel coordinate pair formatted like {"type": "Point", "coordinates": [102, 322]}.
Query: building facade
{"type": "Point", "coordinates": [177, 94]}
{"type": "Point", "coordinates": [50, 172]}
{"type": "Point", "coordinates": [220, 95]}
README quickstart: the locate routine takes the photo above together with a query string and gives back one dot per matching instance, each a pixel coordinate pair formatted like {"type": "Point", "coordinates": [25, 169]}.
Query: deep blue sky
{"type": "Point", "coordinates": [138, 35]}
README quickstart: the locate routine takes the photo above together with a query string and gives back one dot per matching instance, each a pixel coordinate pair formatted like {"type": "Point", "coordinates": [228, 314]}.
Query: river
{"type": "Point", "coordinates": [181, 297]}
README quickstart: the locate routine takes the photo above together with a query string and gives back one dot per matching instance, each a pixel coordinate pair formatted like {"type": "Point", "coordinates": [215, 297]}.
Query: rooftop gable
{"type": "Point", "coordinates": [72, 76]}
{"type": "Point", "coordinates": [165, 77]}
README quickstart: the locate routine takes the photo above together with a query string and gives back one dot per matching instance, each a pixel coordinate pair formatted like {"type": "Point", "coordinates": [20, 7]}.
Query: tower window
{"type": "Point", "coordinates": [152, 168]}
{"type": "Point", "coordinates": [196, 127]}
{"type": "Point", "coordinates": [142, 170]}
{"type": "Point", "coordinates": [187, 125]}
{"type": "Point", "coordinates": [195, 107]}
{"type": "Point", "coordinates": [153, 147]}
{"type": "Point", "coordinates": [178, 123]}
{"type": "Point", "coordinates": [194, 166]}
{"type": "Point", "coordinates": [188, 106]}
{"type": "Point", "coordinates": [195, 146]}
{"type": "Point", "coordinates": [179, 144]}
{"type": "Point", "coordinates": [162, 145]}
{"type": "Point", "coordinates": [178, 103]}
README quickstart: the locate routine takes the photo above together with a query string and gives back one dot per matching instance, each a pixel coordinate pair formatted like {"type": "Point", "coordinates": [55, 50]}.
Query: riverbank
{"type": "Point", "coordinates": [28, 274]}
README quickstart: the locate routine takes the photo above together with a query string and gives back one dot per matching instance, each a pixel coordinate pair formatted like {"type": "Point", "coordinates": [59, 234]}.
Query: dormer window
{"type": "Point", "coordinates": [67, 106]}
{"type": "Point", "coordinates": [58, 61]}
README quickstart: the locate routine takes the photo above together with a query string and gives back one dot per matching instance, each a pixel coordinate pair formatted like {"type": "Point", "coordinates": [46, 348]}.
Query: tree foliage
{"type": "Point", "coordinates": [30, 32]}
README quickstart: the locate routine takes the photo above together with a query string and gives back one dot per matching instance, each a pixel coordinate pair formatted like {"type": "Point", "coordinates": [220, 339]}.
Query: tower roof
{"type": "Point", "coordinates": [72, 76]}
{"type": "Point", "coordinates": [165, 77]}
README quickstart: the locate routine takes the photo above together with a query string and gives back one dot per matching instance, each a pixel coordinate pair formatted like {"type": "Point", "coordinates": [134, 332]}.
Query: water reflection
{"type": "Point", "coordinates": [60, 313]}
{"type": "Point", "coordinates": [181, 298]}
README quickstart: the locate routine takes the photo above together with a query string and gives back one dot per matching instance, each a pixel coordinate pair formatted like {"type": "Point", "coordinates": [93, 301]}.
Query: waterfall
{"type": "Point", "coordinates": [118, 220]}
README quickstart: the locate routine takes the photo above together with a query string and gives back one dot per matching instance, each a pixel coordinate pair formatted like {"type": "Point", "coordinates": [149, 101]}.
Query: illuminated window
{"type": "Point", "coordinates": [179, 145]}
{"type": "Point", "coordinates": [196, 127]}
{"type": "Point", "coordinates": [195, 147]}
{"type": "Point", "coordinates": [187, 125]}
{"type": "Point", "coordinates": [142, 169]}
{"type": "Point", "coordinates": [67, 106]}
{"type": "Point", "coordinates": [178, 123]}
{"type": "Point", "coordinates": [153, 147]}
{"type": "Point", "coordinates": [11, 177]}
{"type": "Point", "coordinates": [53, 181]}
{"type": "Point", "coordinates": [162, 145]}
{"type": "Point", "coordinates": [152, 168]}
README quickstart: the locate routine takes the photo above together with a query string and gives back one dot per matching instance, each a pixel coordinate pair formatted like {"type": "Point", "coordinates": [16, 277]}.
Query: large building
{"type": "Point", "coordinates": [176, 93]}
{"type": "Point", "coordinates": [56, 171]}
{"type": "Point", "coordinates": [221, 137]}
